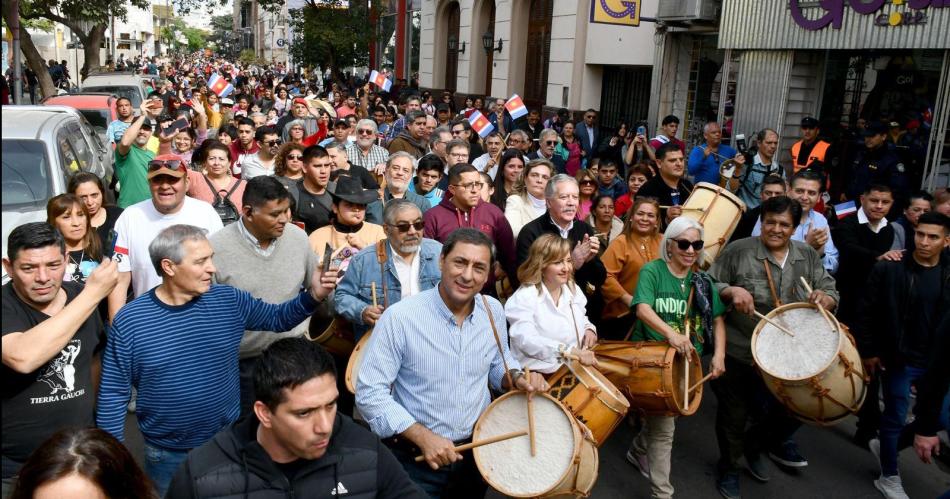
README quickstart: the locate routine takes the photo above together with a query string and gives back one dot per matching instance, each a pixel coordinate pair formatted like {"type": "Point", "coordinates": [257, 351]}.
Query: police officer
{"type": "Point", "coordinates": [878, 163]}
{"type": "Point", "coordinates": [812, 153]}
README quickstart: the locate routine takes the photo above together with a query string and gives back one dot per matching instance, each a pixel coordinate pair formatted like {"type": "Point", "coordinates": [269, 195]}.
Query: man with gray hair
{"type": "Point", "coordinates": [178, 345]}
{"type": "Point", "coordinates": [342, 165]}
{"type": "Point", "coordinates": [548, 142]}
{"type": "Point", "coordinates": [562, 196]}
{"type": "Point", "coordinates": [412, 139]}
{"type": "Point", "coordinates": [398, 176]}
{"type": "Point", "coordinates": [705, 159]}
{"type": "Point", "coordinates": [520, 139]}
{"type": "Point", "coordinates": [401, 265]}
{"type": "Point", "coordinates": [364, 152]}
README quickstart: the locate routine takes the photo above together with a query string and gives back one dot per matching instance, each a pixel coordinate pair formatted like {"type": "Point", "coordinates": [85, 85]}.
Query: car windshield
{"type": "Point", "coordinates": [129, 92]}
{"type": "Point", "coordinates": [98, 118]}
{"type": "Point", "coordinates": [26, 175]}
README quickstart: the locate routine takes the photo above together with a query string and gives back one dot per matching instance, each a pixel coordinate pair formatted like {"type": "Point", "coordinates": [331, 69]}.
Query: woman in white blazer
{"type": "Point", "coordinates": [527, 202]}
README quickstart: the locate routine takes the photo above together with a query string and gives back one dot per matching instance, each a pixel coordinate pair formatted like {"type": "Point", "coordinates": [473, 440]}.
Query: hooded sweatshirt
{"type": "Point", "coordinates": [445, 217]}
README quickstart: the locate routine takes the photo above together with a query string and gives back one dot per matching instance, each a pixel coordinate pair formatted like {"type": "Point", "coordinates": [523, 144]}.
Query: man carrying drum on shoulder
{"type": "Point", "coordinates": [434, 355]}
{"type": "Point", "coordinates": [400, 266]}
{"type": "Point", "coordinates": [758, 274]}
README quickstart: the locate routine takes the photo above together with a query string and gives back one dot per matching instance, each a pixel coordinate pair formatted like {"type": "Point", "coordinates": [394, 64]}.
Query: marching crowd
{"type": "Point", "coordinates": [265, 221]}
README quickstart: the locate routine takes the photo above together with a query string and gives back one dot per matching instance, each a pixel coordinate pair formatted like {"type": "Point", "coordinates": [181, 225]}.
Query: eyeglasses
{"type": "Point", "coordinates": [171, 164]}
{"type": "Point", "coordinates": [550, 142]}
{"type": "Point", "coordinates": [457, 132]}
{"type": "Point", "coordinates": [404, 226]}
{"type": "Point", "coordinates": [684, 244]}
{"type": "Point", "coordinates": [365, 131]}
{"type": "Point", "coordinates": [298, 157]}
{"type": "Point", "coordinates": [587, 182]}
{"type": "Point", "coordinates": [459, 155]}
{"type": "Point", "coordinates": [471, 186]}
{"type": "Point", "coordinates": [275, 142]}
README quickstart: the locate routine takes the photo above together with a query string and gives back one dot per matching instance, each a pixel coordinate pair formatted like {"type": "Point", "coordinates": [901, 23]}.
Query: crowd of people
{"type": "Point", "coordinates": [256, 237]}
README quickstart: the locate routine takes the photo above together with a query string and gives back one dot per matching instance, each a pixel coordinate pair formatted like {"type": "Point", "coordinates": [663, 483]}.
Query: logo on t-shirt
{"type": "Point", "coordinates": [60, 375]}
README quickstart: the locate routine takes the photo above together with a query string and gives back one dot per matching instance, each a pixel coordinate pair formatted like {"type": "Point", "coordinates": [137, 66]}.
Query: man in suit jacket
{"type": "Point", "coordinates": [589, 133]}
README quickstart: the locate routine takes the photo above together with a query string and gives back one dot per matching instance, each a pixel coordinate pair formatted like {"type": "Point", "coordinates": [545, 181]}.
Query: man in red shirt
{"type": "Point", "coordinates": [244, 146]}
{"type": "Point", "coordinates": [667, 133]}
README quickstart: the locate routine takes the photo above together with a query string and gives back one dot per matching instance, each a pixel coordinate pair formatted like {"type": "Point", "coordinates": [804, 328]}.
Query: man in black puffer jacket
{"type": "Point", "coordinates": [295, 444]}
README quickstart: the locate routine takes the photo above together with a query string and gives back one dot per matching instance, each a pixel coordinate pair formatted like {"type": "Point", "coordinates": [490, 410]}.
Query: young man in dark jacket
{"type": "Point", "coordinates": [295, 444]}
{"type": "Point", "coordinates": [905, 312]}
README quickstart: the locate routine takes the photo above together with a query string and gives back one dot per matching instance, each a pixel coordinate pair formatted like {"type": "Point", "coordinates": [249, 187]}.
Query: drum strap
{"type": "Point", "coordinates": [768, 275]}
{"type": "Point", "coordinates": [577, 333]}
{"type": "Point", "coordinates": [494, 330]}
{"type": "Point", "coordinates": [381, 258]}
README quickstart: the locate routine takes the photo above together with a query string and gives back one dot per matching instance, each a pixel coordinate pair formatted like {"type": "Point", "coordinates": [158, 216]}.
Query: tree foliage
{"type": "Point", "coordinates": [330, 34]}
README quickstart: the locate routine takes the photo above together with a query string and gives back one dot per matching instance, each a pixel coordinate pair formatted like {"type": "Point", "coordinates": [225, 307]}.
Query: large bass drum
{"type": "Point", "coordinates": [719, 211]}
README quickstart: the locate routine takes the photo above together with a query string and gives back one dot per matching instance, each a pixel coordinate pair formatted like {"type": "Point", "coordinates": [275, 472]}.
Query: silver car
{"type": "Point", "coordinates": [42, 147]}
{"type": "Point", "coordinates": [131, 86]}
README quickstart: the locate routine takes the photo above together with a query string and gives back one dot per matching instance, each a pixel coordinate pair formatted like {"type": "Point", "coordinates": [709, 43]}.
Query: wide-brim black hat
{"type": "Point", "coordinates": [351, 189]}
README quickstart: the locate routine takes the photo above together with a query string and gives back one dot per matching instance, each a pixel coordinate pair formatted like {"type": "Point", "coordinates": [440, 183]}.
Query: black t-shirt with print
{"type": "Point", "coordinates": [57, 395]}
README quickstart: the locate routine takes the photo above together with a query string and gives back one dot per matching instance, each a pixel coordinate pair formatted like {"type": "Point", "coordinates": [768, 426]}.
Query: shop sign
{"type": "Point", "coordinates": [623, 12]}
{"type": "Point", "coordinates": [834, 12]}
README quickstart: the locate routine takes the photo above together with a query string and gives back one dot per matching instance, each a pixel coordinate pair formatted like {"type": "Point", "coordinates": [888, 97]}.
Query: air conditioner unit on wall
{"type": "Point", "coordinates": [688, 10]}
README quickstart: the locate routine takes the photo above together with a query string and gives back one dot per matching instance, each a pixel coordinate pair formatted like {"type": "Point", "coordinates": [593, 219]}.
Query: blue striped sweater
{"type": "Point", "coordinates": [183, 361]}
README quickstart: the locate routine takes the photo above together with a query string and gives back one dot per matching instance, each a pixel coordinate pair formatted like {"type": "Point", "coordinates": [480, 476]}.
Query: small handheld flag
{"type": "Point", "coordinates": [516, 107]}
{"type": "Point", "coordinates": [220, 86]}
{"type": "Point", "coordinates": [380, 80]}
{"type": "Point", "coordinates": [845, 209]}
{"type": "Point", "coordinates": [480, 124]}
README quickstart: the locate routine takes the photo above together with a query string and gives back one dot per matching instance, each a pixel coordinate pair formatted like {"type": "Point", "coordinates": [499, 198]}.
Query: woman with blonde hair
{"type": "Point", "coordinates": [68, 214]}
{"type": "Point", "coordinates": [547, 314]}
{"type": "Point", "coordinates": [527, 201]}
{"type": "Point", "coordinates": [680, 306]}
{"type": "Point", "coordinates": [623, 259]}
{"type": "Point", "coordinates": [587, 191]}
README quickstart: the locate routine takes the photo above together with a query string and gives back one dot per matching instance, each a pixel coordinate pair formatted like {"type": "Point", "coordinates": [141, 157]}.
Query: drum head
{"type": "Point", "coordinates": [680, 384]}
{"type": "Point", "coordinates": [812, 349]}
{"type": "Point", "coordinates": [353, 365]}
{"type": "Point", "coordinates": [508, 465]}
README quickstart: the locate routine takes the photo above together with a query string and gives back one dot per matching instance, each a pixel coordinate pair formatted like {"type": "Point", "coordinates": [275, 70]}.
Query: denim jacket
{"type": "Point", "coordinates": [354, 292]}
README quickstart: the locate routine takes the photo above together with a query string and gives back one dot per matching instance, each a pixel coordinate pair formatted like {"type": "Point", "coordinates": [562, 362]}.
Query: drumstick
{"type": "Point", "coordinates": [821, 309]}
{"type": "Point", "coordinates": [700, 382]}
{"type": "Point", "coordinates": [527, 372]}
{"type": "Point", "coordinates": [373, 290]}
{"type": "Point", "coordinates": [686, 364]}
{"type": "Point", "coordinates": [492, 440]}
{"type": "Point", "coordinates": [773, 323]}
{"type": "Point", "coordinates": [600, 366]}
{"type": "Point", "coordinates": [666, 207]}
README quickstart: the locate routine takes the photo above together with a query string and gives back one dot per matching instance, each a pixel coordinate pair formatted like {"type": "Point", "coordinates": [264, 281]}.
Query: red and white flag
{"type": "Point", "coordinates": [220, 86]}
{"type": "Point", "coordinates": [480, 124]}
{"type": "Point", "coordinates": [380, 80]}
{"type": "Point", "coordinates": [516, 107]}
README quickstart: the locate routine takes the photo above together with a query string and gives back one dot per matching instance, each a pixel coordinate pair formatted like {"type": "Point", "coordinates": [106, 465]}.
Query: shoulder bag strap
{"type": "Point", "coordinates": [237, 183]}
{"type": "Point", "coordinates": [214, 190]}
{"type": "Point", "coordinates": [494, 330]}
{"type": "Point", "coordinates": [768, 275]}
{"type": "Point", "coordinates": [381, 258]}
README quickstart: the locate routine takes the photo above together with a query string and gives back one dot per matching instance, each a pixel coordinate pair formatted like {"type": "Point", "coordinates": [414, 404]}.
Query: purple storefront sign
{"type": "Point", "coordinates": [834, 10]}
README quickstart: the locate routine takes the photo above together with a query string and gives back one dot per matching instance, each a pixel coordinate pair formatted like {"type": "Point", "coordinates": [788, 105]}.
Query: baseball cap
{"type": "Point", "coordinates": [300, 100]}
{"type": "Point", "coordinates": [442, 107]}
{"type": "Point", "coordinates": [809, 122]}
{"type": "Point", "coordinates": [167, 164]}
{"type": "Point", "coordinates": [227, 102]}
{"type": "Point", "coordinates": [341, 122]}
{"type": "Point", "coordinates": [875, 129]}
{"type": "Point", "coordinates": [894, 124]}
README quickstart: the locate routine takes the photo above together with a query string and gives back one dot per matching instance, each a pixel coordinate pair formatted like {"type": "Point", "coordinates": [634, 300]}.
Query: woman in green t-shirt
{"type": "Point", "coordinates": [669, 296]}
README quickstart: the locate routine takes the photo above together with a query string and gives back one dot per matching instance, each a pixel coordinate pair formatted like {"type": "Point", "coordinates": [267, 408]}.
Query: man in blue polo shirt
{"type": "Point", "coordinates": [705, 159]}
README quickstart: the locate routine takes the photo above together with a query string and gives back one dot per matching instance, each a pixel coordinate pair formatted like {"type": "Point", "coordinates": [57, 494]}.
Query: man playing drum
{"type": "Point", "coordinates": [407, 265]}
{"type": "Point", "coordinates": [429, 363]}
{"type": "Point", "coordinates": [759, 274]}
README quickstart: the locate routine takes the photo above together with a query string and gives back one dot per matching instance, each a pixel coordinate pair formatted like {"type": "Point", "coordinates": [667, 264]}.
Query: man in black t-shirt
{"type": "Point", "coordinates": [51, 341]}
{"type": "Point", "coordinates": [669, 188]}
{"type": "Point", "coordinates": [312, 203]}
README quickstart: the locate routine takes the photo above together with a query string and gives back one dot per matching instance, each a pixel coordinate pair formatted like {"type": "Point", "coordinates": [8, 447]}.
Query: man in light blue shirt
{"type": "Point", "coordinates": [424, 379]}
{"type": "Point", "coordinates": [813, 230]}
{"type": "Point", "coordinates": [705, 159]}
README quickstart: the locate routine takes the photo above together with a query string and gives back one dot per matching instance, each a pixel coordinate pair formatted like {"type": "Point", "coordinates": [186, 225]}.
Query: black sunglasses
{"type": "Point", "coordinates": [275, 142]}
{"type": "Point", "coordinates": [550, 142]}
{"type": "Point", "coordinates": [404, 227]}
{"type": "Point", "coordinates": [684, 245]}
{"type": "Point", "coordinates": [171, 164]}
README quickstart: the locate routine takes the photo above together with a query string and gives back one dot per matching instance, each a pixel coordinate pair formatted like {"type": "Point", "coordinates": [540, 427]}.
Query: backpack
{"type": "Point", "coordinates": [223, 205]}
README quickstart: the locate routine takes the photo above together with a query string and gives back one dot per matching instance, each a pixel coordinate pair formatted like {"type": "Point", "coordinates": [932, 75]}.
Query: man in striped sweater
{"type": "Point", "coordinates": [178, 346]}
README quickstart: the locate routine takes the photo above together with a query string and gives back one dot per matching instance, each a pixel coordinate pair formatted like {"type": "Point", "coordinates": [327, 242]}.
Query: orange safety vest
{"type": "Point", "coordinates": [817, 154]}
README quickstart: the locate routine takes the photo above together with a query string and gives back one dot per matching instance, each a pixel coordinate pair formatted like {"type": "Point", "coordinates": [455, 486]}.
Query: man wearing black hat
{"type": "Point", "coordinates": [810, 151]}
{"type": "Point", "coordinates": [444, 114]}
{"type": "Point", "coordinates": [877, 164]}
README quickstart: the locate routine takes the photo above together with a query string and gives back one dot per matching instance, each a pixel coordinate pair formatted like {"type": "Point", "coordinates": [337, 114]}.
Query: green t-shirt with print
{"type": "Point", "coordinates": [132, 172]}
{"type": "Point", "coordinates": [667, 294]}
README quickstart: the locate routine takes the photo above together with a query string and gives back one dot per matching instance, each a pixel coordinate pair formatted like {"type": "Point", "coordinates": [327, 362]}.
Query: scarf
{"type": "Point", "coordinates": [702, 298]}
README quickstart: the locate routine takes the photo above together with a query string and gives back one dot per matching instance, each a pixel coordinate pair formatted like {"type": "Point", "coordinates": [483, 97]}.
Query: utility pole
{"type": "Point", "coordinates": [17, 61]}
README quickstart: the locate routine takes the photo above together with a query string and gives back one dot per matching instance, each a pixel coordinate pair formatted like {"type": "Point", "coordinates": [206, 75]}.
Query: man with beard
{"type": "Point", "coordinates": [402, 265]}
{"type": "Point", "coordinates": [413, 103]}
{"type": "Point", "coordinates": [364, 152]}
{"type": "Point", "coordinates": [411, 141]}
{"type": "Point", "coordinates": [397, 176]}
{"type": "Point", "coordinates": [262, 163]}
{"type": "Point", "coordinates": [132, 158]}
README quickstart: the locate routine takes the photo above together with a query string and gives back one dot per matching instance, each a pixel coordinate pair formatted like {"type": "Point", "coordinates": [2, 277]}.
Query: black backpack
{"type": "Point", "coordinates": [223, 205]}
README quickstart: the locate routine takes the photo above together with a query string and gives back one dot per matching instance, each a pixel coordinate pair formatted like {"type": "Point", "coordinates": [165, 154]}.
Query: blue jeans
{"type": "Point", "coordinates": [161, 465]}
{"type": "Point", "coordinates": [896, 382]}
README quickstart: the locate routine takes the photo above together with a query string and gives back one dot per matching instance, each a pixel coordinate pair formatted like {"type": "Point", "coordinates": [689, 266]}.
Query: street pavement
{"type": "Point", "coordinates": [837, 468]}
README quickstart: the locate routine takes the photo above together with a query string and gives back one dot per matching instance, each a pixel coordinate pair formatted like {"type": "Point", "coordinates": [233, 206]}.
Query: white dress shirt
{"type": "Point", "coordinates": [407, 272]}
{"type": "Point", "coordinates": [540, 327]}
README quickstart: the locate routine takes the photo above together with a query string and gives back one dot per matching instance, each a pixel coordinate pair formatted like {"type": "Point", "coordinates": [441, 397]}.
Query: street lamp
{"type": "Point", "coordinates": [454, 44]}
{"type": "Point", "coordinates": [488, 42]}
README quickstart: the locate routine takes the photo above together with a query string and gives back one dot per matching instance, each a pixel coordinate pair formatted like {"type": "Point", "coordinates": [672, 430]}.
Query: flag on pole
{"type": "Point", "coordinates": [480, 124]}
{"type": "Point", "coordinates": [220, 86]}
{"type": "Point", "coordinates": [380, 80]}
{"type": "Point", "coordinates": [845, 209]}
{"type": "Point", "coordinates": [516, 107]}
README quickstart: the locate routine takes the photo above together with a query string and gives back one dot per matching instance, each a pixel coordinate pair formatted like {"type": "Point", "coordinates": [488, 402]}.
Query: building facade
{"type": "Point", "coordinates": [266, 33]}
{"type": "Point", "coordinates": [575, 54]}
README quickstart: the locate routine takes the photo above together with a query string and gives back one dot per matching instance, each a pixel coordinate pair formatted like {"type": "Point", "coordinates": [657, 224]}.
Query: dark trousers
{"type": "Point", "coordinates": [749, 420]}
{"type": "Point", "coordinates": [460, 480]}
{"type": "Point", "coordinates": [616, 328]}
{"type": "Point", "coordinates": [869, 415]}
